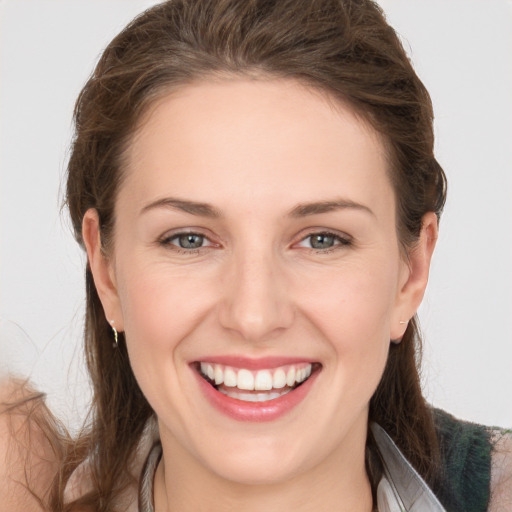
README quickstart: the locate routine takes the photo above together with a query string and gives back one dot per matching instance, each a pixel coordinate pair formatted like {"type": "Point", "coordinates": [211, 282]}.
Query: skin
{"type": "Point", "coordinates": [255, 151]}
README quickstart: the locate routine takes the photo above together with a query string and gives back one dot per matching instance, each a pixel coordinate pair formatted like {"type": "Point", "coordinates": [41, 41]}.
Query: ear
{"type": "Point", "coordinates": [414, 280]}
{"type": "Point", "coordinates": [102, 269]}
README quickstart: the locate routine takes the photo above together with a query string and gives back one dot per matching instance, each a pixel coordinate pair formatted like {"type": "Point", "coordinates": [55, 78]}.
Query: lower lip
{"type": "Point", "coordinates": [255, 411]}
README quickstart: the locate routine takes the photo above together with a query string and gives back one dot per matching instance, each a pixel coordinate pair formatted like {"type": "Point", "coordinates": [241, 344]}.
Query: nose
{"type": "Point", "coordinates": [255, 300]}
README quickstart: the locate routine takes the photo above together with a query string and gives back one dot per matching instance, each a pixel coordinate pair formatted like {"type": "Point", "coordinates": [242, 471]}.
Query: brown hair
{"type": "Point", "coordinates": [32, 444]}
{"type": "Point", "coordinates": [342, 47]}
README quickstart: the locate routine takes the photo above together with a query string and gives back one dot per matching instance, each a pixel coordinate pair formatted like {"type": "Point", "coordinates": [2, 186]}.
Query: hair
{"type": "Point", "coordinates": [344, 48]}
{"type": "Point", "coordinates": [38, 450]}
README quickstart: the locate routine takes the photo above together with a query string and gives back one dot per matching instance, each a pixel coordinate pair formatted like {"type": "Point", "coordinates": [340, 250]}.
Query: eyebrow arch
{"type": "Point", "coordinates": [207, 210]}
{"type": "Point", "coordinates": [306, 209]}
{"type": "Point", "coordinates": [192, 207]}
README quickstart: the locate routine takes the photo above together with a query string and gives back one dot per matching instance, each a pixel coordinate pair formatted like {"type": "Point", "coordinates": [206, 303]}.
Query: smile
{"type": "Point", "coordinates": [250, 386]}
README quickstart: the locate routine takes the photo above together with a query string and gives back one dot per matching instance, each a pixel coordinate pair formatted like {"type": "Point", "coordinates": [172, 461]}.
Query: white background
{"type": "Point", "coordinates": [462, 49]}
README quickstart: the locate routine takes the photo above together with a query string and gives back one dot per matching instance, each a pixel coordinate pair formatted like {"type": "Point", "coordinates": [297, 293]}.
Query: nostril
{"type": "Point", "coordinates": [257, 307]}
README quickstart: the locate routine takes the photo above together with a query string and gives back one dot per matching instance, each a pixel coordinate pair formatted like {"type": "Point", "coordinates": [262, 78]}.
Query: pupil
{"type": "Point", "coordinates": [191, 241]}
{"type": "Point", "coordinates": [322, 241]}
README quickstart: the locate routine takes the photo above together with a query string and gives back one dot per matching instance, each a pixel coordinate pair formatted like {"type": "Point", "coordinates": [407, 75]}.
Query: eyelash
{"type": "Point", "coordinates": [339, 242]}
{"type": "Point", "coordinates": [167, 242]}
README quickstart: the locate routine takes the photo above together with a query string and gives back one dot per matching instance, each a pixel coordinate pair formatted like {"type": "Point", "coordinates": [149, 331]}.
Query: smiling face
{"type": "Point", "coordinates": [258, 277]}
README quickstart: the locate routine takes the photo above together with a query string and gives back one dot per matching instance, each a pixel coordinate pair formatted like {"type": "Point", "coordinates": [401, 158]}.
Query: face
{"type": "Point", "coordinates": [258, 277]}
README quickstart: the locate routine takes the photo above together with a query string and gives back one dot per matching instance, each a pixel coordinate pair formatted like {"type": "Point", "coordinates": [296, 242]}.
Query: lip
{"type": "Point", "coordinates": [256, 412]}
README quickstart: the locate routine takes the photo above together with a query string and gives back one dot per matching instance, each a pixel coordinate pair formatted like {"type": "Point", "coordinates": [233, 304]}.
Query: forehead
{"type": "Point", "coordinates": [272, 140]}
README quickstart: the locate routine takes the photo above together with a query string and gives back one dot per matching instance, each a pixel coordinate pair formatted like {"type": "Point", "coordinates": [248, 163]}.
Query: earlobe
{"type": "Point", "coordinates": [411, 292]}
{"type": "Point", "coordinates": [101, 268]}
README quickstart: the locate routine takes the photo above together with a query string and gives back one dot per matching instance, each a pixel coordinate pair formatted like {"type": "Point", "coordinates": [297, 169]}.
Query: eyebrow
{"type": "Point", "coordinates": [307, 209]}
{"type": "Point", "coordinates": [301, 210]}
{"type": "Point", "coordinates": [192, 207]}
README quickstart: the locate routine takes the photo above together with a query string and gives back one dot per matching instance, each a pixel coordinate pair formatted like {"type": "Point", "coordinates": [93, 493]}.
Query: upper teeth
{"type": "Point", "coordinates": [261, 380]}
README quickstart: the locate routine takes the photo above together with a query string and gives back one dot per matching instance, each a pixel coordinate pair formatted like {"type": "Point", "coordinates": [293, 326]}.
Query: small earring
{"type": "Point", "coordinates": [397, 341]}
{"type": "Point", "coordinates": [116, 340]}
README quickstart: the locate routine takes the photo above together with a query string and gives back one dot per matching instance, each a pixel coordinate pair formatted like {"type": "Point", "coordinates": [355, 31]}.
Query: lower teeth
{"type": "Point", "coordinates": [253, 397]}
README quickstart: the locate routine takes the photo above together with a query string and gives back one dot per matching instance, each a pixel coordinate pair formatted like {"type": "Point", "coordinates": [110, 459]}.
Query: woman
{"type": "Point", "coordinates": [255, 186]}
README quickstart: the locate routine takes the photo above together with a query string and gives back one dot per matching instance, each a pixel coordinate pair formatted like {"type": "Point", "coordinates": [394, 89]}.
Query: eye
{"type": "Point", "coordinates": [186, 241]}
{"type": "Point", "coordinates": [324, 241]}
{"type": "Point", "coordinates": [189, 241]}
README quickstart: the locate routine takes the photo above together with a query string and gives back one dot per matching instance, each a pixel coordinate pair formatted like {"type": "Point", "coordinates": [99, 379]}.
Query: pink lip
{"type": "Point", "coordinates": [255, 411]}
{"type": "Point", "coordinates": [253, 363]}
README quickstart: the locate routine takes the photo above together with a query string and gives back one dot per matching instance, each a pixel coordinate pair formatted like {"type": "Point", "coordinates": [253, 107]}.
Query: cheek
{"type": "Point", "coordinates": [352, 310]}
{"type": "Point", "coordinates": [161, 306]}
{"type": "Point", "coordinates": [352, 306]}
{"type": "Point", "coordinates": [160, 309]}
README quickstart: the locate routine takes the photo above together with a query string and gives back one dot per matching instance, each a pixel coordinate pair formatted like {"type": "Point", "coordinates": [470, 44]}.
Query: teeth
{"type": "Point", "coordinates": [230, 379]}
{"type": "Point", "coordinates": [279, 379]}
{"type": "Point", "coordinates": [262, 380]}
{"type": "Point", "coordinates": [290, 377]}
{"type": "Point", "coordinates": [245, 380]}
{"type": "Point", "coordinates": [219, 375]}
{"type": "Point", "coordinates": [254, 397]}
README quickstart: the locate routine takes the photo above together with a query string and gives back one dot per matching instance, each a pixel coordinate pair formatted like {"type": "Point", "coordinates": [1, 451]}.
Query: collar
{"type": "Point", "coordinates": [401, 489]}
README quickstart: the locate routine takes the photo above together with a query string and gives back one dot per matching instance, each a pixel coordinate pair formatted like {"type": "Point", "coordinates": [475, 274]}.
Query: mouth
{"type": "Point", "coordinates": [262, 385]}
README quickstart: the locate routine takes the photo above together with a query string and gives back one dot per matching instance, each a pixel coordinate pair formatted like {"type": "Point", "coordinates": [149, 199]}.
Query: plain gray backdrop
{"type": "Point", "coordinates": [462, 51]}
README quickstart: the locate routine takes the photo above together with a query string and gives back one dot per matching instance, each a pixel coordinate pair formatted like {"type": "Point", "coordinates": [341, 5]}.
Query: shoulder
{"type": "Point", "coordinates": [501, 472]}
{"type": "Point", "coordinates": [29, 453]}
{"type": "Point", "coordinates": [476, 465]}
{"type": "Point", "coordinates": [466, 453]}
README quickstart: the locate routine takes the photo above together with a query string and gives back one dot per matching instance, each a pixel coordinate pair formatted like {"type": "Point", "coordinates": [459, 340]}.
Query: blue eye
{"type": "Point", "coordinates": [188, 240]}
{"type": "Point", "coordinates": [324, 241]}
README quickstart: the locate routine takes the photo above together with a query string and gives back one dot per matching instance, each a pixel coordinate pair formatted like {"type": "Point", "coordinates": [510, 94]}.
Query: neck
{"type": "Point", "coordinates": [338, 484]}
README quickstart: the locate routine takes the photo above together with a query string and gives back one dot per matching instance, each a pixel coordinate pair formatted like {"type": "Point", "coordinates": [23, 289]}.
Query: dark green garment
{"type": "Point", "coordinates": [466, 464]}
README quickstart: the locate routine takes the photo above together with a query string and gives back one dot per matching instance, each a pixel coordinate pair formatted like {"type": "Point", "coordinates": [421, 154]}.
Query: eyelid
{"type": "Point", "coordinates": [169, 236]}
{"type": "Point", "coordinates": [342, 238]}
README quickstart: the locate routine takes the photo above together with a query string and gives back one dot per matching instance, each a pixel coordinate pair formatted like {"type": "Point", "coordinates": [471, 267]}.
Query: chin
{"type": "Point", "coordinates": [250, 458]}
{"type": "Point", "coordinates": [256, 471]}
